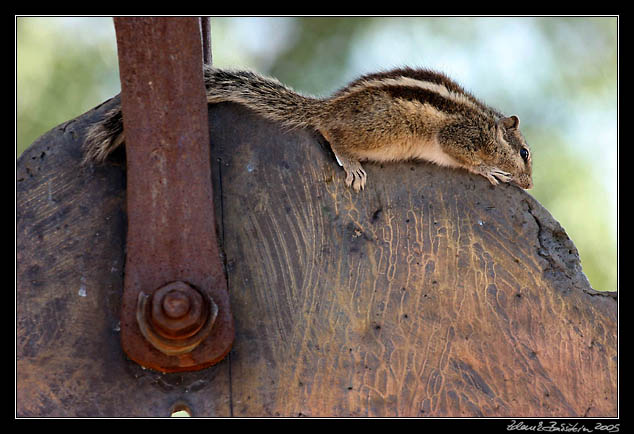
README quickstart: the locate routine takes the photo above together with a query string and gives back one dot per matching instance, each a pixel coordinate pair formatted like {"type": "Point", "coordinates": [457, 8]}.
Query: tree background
{"type": "Point", "coordinates": [558, 74]}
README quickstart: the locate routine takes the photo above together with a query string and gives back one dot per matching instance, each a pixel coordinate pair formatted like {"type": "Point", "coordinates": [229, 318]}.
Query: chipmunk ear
{"type": "Point", "coordinates": [510, 123]}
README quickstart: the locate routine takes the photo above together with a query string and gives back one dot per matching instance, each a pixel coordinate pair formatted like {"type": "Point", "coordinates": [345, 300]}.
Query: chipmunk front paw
{"type": "Point", "coordinates": [493, 174]}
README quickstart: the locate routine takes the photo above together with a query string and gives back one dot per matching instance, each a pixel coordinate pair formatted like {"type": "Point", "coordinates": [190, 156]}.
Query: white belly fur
{"type": "Point", "coordinates": [426, 150]}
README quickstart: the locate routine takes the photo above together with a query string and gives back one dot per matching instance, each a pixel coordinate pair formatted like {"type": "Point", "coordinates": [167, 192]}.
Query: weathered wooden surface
{"type": "Point", "coordinates": [430, 293]}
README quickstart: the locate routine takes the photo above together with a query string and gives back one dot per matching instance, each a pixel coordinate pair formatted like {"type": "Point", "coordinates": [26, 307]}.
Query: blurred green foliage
{"type": "Point", "coordinates": [559, 74]}
{"type": "Point", "coordinates": [62, 72]}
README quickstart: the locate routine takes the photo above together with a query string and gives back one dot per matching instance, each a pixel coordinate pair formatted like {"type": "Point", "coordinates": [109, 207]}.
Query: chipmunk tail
{"type": "Point", "coordinates": [264, 95]}
{"type": "Point", "coordinates": [103, 137]}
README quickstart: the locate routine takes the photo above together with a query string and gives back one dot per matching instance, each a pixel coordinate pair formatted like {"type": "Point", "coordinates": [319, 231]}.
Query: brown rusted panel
{"type": "Point", "coordinates": [171, 224]}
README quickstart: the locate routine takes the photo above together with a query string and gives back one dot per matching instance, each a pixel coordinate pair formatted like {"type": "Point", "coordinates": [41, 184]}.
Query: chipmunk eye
{"type": "Point", "coordinates": [524, 154]}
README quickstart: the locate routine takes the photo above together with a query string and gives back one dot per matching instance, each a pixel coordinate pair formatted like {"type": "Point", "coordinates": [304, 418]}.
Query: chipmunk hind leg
{"type": "Point", "coordinates": [355, 175]}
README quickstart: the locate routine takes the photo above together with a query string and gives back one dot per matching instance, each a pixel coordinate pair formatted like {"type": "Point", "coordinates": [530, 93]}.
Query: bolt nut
{"type": "Point", "coordinates": [176, 317]}
{"type": "Point", "coordinates": [178, 311]}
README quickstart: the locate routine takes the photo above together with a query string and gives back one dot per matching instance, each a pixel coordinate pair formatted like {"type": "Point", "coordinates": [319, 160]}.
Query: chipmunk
{"type": "Point", "coordinates": [397, 115]}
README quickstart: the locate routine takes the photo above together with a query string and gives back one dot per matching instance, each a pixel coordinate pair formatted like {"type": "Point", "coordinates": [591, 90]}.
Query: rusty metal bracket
{"type": "Point", "coordinates": [175, 313]}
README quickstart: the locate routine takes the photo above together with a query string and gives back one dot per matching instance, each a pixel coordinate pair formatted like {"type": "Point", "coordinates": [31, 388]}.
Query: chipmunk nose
{"type": "Point", "coordinates": [528, 184]}
{"type": "Point", "coordinates": [525, 183]}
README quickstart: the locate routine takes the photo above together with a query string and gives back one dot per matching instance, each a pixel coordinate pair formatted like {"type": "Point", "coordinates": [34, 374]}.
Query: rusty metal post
{"type": "Point", "coordinates": [205, 30]}
{"type": "Point", "coordinates": [175, 308]}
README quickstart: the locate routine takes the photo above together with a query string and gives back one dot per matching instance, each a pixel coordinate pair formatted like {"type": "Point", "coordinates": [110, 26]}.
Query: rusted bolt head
{"type": "Point", "coordinates": [176, 304]}
{"type": "Point", "coordinates": [175, 318]}
{"type": "Point", "coordinates": [177, 310]}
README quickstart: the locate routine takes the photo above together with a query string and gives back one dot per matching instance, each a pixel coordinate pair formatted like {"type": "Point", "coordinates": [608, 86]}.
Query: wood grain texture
{"type": "Point", "coordinates": [430, 293]}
